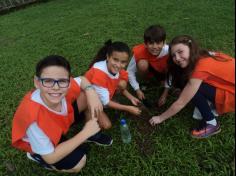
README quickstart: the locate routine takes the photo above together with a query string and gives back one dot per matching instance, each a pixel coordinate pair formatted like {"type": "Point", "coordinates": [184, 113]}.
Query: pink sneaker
{"type": "Point", "coordinates": [205, 130]}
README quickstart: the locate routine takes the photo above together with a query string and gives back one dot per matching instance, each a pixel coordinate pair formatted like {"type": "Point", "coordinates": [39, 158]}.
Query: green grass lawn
{"type": "Point", "coordinates": [76, 29]}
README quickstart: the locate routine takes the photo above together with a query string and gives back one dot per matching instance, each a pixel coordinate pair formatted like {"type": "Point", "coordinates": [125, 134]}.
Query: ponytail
{"type": "Point", "coordinates": [102, 53]}
{"type": "Point", "coordinates": [107, 50]}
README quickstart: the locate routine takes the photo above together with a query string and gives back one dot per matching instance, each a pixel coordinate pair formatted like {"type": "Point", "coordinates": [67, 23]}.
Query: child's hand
{"type": "Point", "coordinates": [134, 110]}
{"type": "Point", "coordinates": [140, 94]}
{"type": "Point", "coordinates": [91, 127]}
{"type": "Point", "coordinates": [162, 100]}
{"type": "Point", "coordinates": [155, 120]}
{"type": "Point", "coordinates": [135, 101]}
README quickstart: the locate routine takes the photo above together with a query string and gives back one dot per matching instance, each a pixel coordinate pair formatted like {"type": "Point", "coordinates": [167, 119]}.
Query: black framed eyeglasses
{"type": "Point", "coordinates": [49, 82]}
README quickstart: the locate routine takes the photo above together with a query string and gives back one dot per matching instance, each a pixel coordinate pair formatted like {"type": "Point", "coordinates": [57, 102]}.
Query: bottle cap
{"type": "Point", "coordinates": [123, 122]}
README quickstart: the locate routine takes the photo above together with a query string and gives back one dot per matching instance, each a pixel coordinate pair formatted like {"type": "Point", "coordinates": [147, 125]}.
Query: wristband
{"type": "Point", "coordinates": [88, 87]}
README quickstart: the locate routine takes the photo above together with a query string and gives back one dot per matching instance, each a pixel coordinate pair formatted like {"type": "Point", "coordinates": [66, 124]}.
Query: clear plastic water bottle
{"type": "Point", "coordinates": [125, 133]}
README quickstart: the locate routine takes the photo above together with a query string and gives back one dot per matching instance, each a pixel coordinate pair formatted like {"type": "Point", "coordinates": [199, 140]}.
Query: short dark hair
{"type": "Point", "coordinates": [154, 33]}
{"type": "Point", "coordinates": [52, 60]}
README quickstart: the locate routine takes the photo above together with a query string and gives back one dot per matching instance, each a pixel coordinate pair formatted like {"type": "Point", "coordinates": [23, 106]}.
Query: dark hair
{"type": "Point", "coordinates": [180, 76]}
{"type": "Point", "coordinates": [107, 50]}
{"type": "Point", "coordinates": [52, 60]}
{"type": "Point", "coordinates": [154, 33]}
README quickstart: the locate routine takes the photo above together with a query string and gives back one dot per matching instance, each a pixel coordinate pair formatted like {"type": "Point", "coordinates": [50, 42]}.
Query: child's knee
{"type": "Point", "coordinates": [142, 66]}
{"type": "Point", "coordinates": [106, 125]}
{"type": "Point", "coordinates": [122, 84]}
{"type": "Point", "coordinates": [80, 165]}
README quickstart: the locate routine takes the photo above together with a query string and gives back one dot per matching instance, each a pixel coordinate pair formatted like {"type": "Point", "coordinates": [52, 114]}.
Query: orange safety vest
{"type": "Point", "coordinates": [98, 77]}
{"type": "Point", "coordinates": [53, 125]}
{"type": "Point", "coordinates": [221, 75]}
{"type": "Point", "coordinates": [159, 64]}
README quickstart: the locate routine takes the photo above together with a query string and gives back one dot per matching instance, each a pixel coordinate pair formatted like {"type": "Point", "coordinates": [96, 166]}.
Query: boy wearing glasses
{"type": "Point", "coordinates": [46, 113]}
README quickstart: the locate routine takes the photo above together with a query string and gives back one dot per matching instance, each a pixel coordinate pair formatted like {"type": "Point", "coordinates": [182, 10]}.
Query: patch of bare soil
{"type": "Point", "coordinates": [144, 139]}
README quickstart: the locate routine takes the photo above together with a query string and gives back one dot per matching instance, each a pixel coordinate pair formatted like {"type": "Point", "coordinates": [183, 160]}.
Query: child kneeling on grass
{"type": "Point", "coordinates": [150, 59]}
{"type": "Point", "coordinates": [203, 77]}
{"type": "Point", "coordinates": [107, 75]}
{"type": "Point", "coordinates": [45, 115]}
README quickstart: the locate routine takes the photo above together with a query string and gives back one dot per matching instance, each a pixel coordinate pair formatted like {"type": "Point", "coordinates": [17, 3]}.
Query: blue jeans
{"type": "Point", "coordinates": [205, 93]}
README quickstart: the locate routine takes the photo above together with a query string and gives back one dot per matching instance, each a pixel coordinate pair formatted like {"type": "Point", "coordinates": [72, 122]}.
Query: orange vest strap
{"type": "Point", "coordinates": [141, 53]}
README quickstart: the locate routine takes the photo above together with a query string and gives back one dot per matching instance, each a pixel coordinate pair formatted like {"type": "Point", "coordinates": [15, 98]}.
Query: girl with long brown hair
{"type": "Point", "coordinates": [203, 77]}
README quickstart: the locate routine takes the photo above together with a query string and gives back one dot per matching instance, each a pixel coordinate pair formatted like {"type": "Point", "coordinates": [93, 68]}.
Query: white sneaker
{"type": "Point", "coordinates": [35, 160]}
{"type": "Point", "coordinates": [30, 157]}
